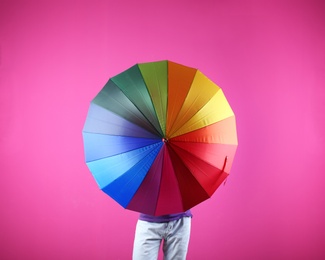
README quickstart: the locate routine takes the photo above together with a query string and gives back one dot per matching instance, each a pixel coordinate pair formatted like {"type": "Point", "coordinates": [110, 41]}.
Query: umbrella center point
{"type": "Point", "coordinates": [165, 140]}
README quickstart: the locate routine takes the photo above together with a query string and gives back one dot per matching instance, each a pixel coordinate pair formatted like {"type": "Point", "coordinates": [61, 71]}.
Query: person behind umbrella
{"type": "Point", "coordinates": [173, 230]}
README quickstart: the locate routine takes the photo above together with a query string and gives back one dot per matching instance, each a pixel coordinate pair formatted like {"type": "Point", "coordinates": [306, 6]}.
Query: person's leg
{"type": "Point", "coordinates": [147, 240]}
{"type": "Point", "coordinates": [176, 243]}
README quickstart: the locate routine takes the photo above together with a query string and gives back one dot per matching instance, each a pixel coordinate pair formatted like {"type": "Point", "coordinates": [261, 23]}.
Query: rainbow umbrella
{"type": "Point", "coordinates": [160, 138]}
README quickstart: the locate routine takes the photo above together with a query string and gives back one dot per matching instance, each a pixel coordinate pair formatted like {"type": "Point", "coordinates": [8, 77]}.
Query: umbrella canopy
{"type": "Point", "coordinates": [160, 138]}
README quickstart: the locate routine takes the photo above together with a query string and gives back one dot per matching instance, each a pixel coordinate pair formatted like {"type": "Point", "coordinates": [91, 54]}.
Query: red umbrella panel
{"type": "Point", "coordinates": [160, 138]}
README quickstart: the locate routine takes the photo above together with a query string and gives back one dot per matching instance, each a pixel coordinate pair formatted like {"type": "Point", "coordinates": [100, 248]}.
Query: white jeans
{"type": "Point", "coordinates": [149, 235]}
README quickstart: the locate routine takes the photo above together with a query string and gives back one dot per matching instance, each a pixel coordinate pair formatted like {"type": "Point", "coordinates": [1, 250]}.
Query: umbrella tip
{"type": "Point", "coordinates": [165, 140]}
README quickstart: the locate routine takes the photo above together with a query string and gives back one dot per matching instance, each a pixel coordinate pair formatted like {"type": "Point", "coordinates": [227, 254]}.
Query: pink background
{"type": "Point", "coordinates": [269, 58]}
